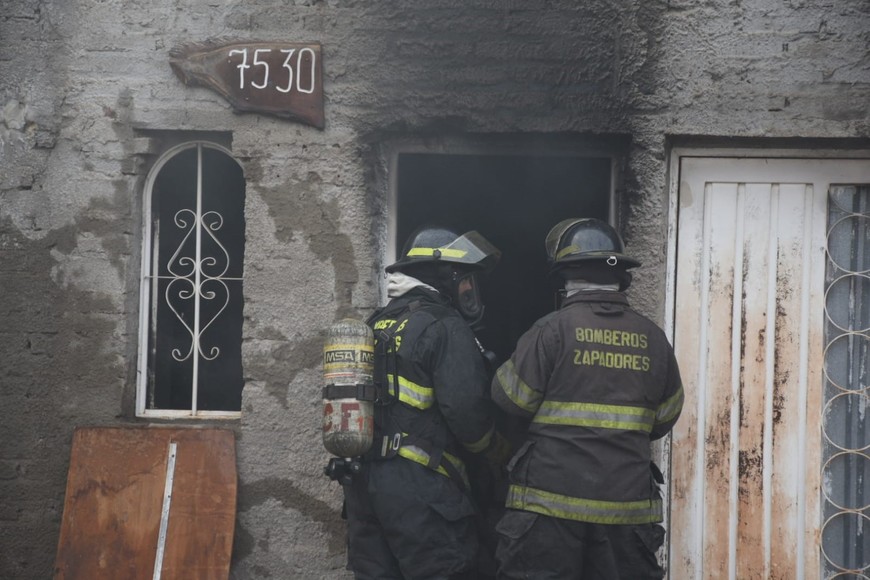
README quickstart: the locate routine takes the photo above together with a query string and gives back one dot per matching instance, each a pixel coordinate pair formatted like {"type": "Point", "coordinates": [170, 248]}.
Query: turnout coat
{"type": "Point", "coordinates": [598, 381]}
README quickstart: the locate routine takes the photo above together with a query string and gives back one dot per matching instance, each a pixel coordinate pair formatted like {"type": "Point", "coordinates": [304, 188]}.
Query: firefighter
{"type": "Point", "coordinates": [409, 512]}
{"type": "Point", "coordinates": [599, 382]}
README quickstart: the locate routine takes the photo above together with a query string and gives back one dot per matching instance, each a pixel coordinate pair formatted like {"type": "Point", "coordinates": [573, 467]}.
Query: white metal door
{"type": "Point", "coordinates": [746, 456]}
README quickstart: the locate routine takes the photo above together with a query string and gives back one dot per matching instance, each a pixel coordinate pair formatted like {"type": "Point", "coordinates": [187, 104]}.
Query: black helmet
{"type": "Point", "coordinates": [451, 264]}
{"type": "Point", "coordinates": [576, 242]}
{"type": "Point", "coordinates": [436, 245]}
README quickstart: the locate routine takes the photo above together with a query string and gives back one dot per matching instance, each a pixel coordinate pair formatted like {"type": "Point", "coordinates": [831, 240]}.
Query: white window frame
{"type": "Point", "coordinates": [145, 290]}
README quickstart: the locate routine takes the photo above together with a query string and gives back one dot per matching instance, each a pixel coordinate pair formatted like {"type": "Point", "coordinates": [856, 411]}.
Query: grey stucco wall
{"type": "Point", "coordinates": [86, 91]}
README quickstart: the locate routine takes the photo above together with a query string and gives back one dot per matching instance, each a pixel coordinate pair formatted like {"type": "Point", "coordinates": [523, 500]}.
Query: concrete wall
{"type": "Point", "coordinates": [87, 98]}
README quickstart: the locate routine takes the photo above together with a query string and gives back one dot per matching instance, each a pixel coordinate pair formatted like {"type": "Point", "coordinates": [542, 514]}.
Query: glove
{"type": "Point", "coordinates": [495, 460]}
{"type": "Point", "coordinates": [498, 452]}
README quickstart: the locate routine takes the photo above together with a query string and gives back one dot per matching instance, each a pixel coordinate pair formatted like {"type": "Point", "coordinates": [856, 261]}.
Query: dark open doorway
{"type": "Point", "coordinates": [513, 200]}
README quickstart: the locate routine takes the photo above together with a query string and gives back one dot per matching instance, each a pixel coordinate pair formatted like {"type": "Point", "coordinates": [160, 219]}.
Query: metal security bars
{"type": "Point", "coordinates": [191, 289]}
{"type": "Point", "coordinates": [846, 462]}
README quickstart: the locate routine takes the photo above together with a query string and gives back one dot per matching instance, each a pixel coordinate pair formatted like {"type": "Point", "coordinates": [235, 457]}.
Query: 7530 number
{"type": "Point", "coordinates": [294, 61]}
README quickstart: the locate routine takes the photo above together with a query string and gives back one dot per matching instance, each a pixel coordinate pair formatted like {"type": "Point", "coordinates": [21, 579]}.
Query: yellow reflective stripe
{"type": "Point", "coordinates": [595, 415]}
{"type": "Point", "coordinates": [481, 443]}
{"type": "Point", "coordinates": [412, 394]}
{"type": "Point", "coordinates": [417, 455]}
{"type": "Point", "coordinates": [446, 252]}
{"type": "Point", "coordinates": [567, 250]}
{"type": "Point", "coordinates": [521, 394]}
{"type": "Point", "coordinates": [670, 408]}
{"type": "Point", "coordinates": [584, 510]}
{"type": "Point", "coordinates": [458, 465]}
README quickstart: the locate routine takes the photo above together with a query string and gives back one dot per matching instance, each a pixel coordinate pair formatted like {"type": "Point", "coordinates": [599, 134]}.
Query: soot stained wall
{"type": "Point", "coordinates": [86, 96]}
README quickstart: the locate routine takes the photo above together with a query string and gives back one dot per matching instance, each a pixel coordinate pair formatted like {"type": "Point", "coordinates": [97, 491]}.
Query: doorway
{"type": "Point", "coordinates": [513, 200]}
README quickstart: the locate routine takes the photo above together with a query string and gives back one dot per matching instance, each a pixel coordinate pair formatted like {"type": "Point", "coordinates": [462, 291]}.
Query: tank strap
{"type": "Point", "coordinates": [361, 392]}
{"type": "Point", "coordinates": [386, 377]}
{"type": "Point", "coordinates": [386, 367]}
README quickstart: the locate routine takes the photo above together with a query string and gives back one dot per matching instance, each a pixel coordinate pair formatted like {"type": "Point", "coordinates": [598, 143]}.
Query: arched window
{"type": "Point", "coordinates": [191, 288]}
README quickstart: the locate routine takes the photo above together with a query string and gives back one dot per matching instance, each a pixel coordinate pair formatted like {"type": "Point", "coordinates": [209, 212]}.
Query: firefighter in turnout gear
{"type": "Point", "coordinates": [599, 382]}
{"type": "Point", "coordinates": [409, 513]}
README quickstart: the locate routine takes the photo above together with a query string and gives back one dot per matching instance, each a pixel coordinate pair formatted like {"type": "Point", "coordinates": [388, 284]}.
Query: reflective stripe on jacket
{"type": "Point", "coordinates": [585, 510]}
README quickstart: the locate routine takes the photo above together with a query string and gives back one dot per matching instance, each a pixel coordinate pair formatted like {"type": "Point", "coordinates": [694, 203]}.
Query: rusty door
{"type": "Point", "coordinates": [746, 456]}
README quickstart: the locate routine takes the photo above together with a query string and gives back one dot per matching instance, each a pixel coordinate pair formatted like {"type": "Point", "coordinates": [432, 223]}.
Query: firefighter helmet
{"type": "Point", "coordinates": [437, 245]}
{"type": "Point", "coordinates": [575, 242]}
{"type": "Point", "coordinates": [451, 264]}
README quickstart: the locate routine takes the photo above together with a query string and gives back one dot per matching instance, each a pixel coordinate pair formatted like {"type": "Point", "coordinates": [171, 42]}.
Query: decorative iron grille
{"type": "Point", "coordinates": [845, 482]}
{"type": "Point", "coordinates": [192, 286]}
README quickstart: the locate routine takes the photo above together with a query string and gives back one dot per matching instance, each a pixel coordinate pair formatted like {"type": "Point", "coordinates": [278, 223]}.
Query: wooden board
{"type": "Point", "coordinates": [114, 499]}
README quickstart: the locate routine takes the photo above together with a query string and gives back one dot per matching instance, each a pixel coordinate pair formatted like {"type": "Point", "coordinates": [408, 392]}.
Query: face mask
{"type": "Point", "coordinates": [466, 297]}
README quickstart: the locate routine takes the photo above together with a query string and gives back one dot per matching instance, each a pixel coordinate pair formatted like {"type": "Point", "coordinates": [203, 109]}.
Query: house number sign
{"type": "Point", "coordinates": [277, 78]}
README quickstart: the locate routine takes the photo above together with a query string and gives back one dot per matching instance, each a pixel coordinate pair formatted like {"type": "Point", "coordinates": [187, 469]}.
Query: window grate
{"type": "Point", "coordinates": [846, 465]}
{"type": "Point", "coordinates": [190, 353]}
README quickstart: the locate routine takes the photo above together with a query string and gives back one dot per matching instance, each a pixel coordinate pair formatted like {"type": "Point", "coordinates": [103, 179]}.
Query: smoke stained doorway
{"type": "Point", "coordinates": [513, 200]}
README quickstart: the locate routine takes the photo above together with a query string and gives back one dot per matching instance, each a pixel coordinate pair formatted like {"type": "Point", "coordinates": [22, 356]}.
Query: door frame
{"type": "Point", "coordinates": [614, 147]}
